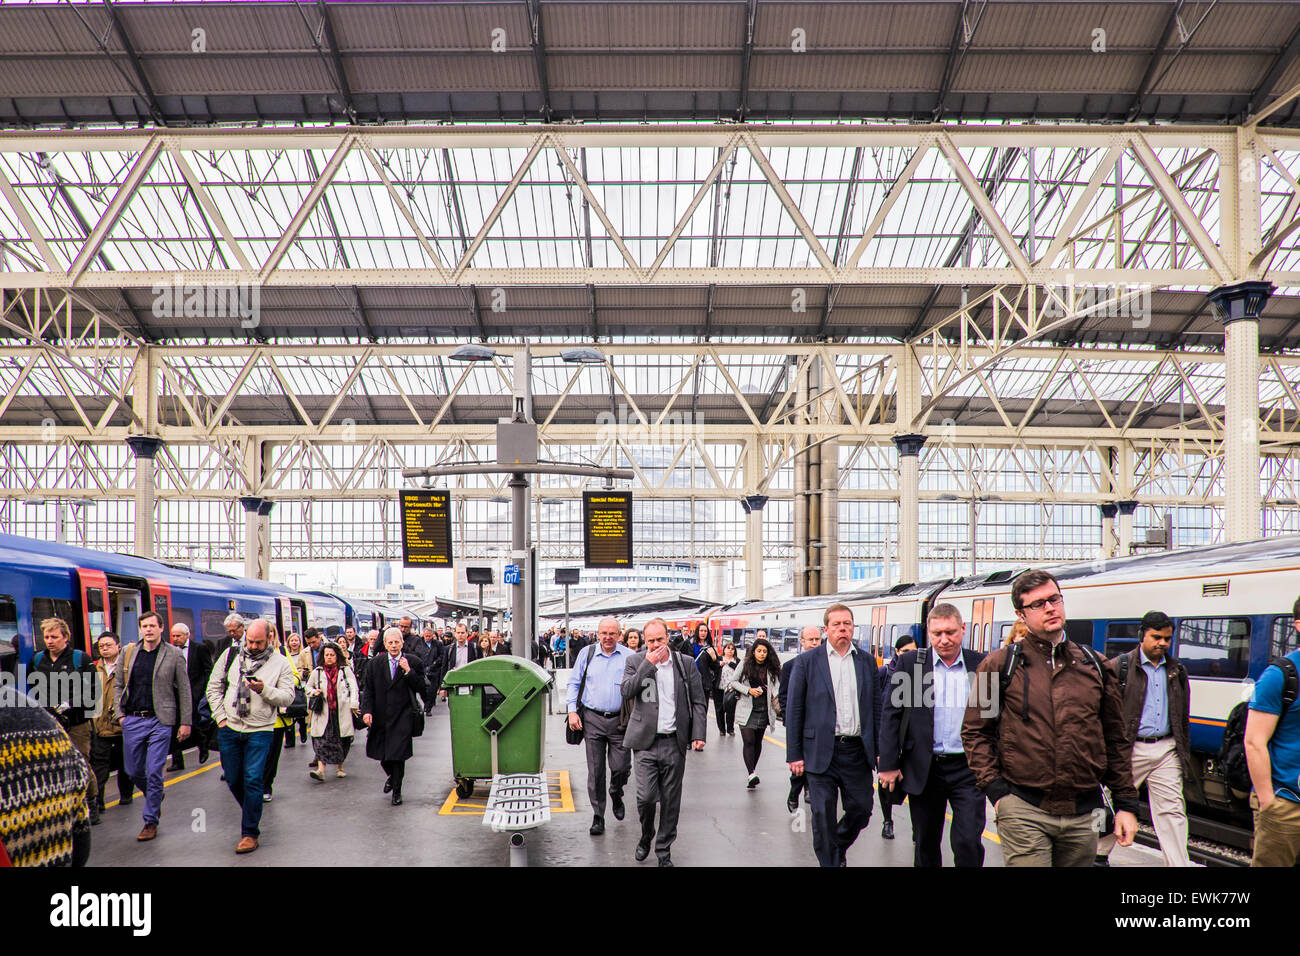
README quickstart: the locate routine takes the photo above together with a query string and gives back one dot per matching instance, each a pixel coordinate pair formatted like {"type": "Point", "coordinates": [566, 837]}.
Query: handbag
{"type": "Point", "coordinates": [572, 736]}
{"type": "Point", "coordinates": [298, 709]}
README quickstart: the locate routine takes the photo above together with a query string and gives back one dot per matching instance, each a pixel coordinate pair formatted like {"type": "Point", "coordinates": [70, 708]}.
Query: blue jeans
{"type": "Point", "coordinates": [243, 757]}
{"type": "Point", "coordinates": [145, 743]}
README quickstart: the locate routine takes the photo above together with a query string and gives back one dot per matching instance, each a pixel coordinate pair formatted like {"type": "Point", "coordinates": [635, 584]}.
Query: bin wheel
{"type": "Point", "coordinates": [464, 787]}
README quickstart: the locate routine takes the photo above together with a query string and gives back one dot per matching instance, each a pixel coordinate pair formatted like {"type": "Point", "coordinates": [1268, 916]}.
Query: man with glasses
{"type": "Point", "coordinates": [1044, 729]}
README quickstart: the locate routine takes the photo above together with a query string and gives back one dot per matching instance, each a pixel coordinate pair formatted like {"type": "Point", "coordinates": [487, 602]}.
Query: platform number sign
{"type": "Point", "coordinates": [510, 574]}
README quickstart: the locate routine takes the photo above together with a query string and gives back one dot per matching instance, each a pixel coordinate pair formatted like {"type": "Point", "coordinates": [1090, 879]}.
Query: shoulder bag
{"type": "Point", "coordinates": [572, 736]}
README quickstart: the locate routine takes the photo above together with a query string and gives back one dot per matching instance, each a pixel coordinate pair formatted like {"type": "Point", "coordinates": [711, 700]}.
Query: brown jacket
{"type": "Point", "coordinates": [1058, 734]}
{"type": "Point", "coordinates": [1179, 699]}
{"type": "Point", "coordinates": [109, 722]}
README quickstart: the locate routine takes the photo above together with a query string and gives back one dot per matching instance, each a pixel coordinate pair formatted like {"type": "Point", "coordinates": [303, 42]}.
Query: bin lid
{"type": "Point", "coordinates": [505, 672]}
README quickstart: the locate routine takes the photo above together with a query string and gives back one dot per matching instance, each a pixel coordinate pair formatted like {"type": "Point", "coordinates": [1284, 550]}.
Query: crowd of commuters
{"type": "Point", "coordinates": [1055, 738]}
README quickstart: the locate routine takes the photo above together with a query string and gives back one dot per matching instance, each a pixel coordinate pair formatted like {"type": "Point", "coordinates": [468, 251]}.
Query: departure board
{"type": "Point", "coordinates": [607, 529]}
{"type": "Point", "coordinates": [426, 529]}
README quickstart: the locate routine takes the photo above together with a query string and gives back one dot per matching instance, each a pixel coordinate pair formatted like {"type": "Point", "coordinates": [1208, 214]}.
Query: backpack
{"type": "Point", "coordinates": [78, 658]}
{"type": "Point", "coordinates": [1232, 753]}
{"type": "Point", "coordinates": [1013, 662]}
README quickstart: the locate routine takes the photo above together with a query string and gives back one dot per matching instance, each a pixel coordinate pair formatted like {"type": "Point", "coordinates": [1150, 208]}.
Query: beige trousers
{"type": "Point", "coordinates": [1157, 763]}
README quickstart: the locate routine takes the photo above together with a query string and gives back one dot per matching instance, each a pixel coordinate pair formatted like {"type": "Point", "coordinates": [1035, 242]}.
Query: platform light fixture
{"type": "Point", "coordinates": [473, 353]}
{"type": "Point", "coordinates": [583, 355]}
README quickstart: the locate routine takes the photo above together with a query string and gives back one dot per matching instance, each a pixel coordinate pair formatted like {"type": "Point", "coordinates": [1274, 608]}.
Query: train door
{"type": "Point", "coordinates": [94, 604]}
{"type": "Point", "coordinates": [878, 615]}
{"type": "Point", "coordinates": [981, 625]}
{"type": "Point", "coordinates": [124, 604]}
{"type": "Point", "coordinates": [299, 617]}
{"type": "Point", "coordinates": [160, 600]}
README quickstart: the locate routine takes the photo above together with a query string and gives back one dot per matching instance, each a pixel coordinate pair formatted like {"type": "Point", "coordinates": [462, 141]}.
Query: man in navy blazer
{"type": "Point", "coordinates": [920, 742]}
{"type": "Point", "coordinates": [831, 734]}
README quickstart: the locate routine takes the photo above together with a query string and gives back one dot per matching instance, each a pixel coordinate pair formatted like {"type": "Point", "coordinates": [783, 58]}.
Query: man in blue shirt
{"type": "Point", "coordinates": [1273, 756]}
{"type": "Point", "coordinates": [602, 664]}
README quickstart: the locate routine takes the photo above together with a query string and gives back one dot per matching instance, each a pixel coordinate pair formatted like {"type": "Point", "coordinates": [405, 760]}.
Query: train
{"type": "Point", "coordinates": [1231, 606]}
{"type": "Point", "coordinates": [95, 591]}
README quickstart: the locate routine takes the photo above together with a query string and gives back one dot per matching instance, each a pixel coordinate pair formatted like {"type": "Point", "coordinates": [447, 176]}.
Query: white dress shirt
{"type": "Point", "coordinates": [666, 685]}
{"type": "Point", "coordinates": [844, 680]}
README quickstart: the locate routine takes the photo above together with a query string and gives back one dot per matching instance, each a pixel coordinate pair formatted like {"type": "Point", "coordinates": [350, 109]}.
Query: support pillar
{"type": "Point", "coordinates": [144, 403]}
{"type": "Point", "coordinates": [1108, 512]}
{"type": "Point", "coordinates": [909, 505]}
{"type": "Point", "coordinates": [1238, 307]}
{"type": "Point", "coordinates": [800, 466]}
{"type": "Point", "coordinates": [1126, 509]}
{"type": "Point", "coordinates": [830, 521]}
{"type": "Point", "coordinates": [752, 504]}
{"type": "Point", "coordinates": [257, 530]}
{"type": "Point", "coordinates": [144, 447]}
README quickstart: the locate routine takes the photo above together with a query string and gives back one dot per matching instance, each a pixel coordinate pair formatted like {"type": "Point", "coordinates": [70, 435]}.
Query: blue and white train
{"type": "Point", "coordinates": [1231, 606]}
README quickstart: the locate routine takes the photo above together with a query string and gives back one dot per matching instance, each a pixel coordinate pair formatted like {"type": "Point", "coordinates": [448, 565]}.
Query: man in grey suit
{"type": "Point", "coordinates": [153, 697]}
{"type": "Point", "coordinates": [660, 736]}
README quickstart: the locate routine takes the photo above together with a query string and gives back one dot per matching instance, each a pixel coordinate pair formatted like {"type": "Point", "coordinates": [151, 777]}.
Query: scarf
{"type": "Point", "coordinates": [249, 664]}
{"type": "Point", "coordinates": [332, 687]}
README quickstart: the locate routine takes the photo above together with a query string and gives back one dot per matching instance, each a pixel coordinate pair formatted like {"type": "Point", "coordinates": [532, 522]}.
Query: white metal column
{"type": "Point", "coordinates": [144, 401]}
{"type": "Point", "coordinates": [1238, 307]}
{"type": "Point", "coordinates": [753, 520]}
{"type": "Point", "coordinates": [909, 505]}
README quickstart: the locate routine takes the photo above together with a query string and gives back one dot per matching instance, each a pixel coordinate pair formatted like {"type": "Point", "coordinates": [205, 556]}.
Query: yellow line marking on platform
{"type": "Point", "coordinates": [168, 783]}
{"type": "Point", "coordinates": [557, 788]}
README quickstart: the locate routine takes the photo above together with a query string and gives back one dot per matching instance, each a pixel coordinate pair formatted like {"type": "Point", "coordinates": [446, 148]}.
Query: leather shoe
{"type": "Point", "coordinates": [665, 861]}
{"type": "Point", "coordinates": [149, 832]}
{"type": "Point", "coordinates": [887, 831]}
{"type": "Point", "coordinates": [204, 753]}
{"type": "Point", "coordinates": [597, 826]}
{"type": "Point", "coordinates": [388, 785]}
{"type": "Point", "coordinates": [246, 845]}
{"type": "Point", "coordinates": [126, 800]}
{"type": "Point", "coordinates": [397, 799]}
{"type": "Point", "coordinates": [642, 850]}
{"type": "Point", "coordinates": [616, 804]}
{"type": "Point", "coordinates": [94, 815]}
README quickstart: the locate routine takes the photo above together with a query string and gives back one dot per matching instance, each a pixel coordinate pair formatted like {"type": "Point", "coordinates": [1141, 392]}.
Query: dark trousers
{"type": "Point", "coordinates": [886, 804]}
{"type": "Point", "coordinates": [729, 711]}
{"type": "Point", "coordinates": [273, 757]}
{"type": "Point", "coordinates": [752, 746]}
{"type": "Point", "coordinates": [848, 776]}
{"type": "Point", "coordinates": [604, 745]}
{"type": "Point", "coordinates": [719, 711]}
{"type": "Point", "coordinates": [797, 783]}
{"type": "Point", "coordinates": [659, 772]}
{"type": "Point", "coordinates": [396, 770]}
{"type": "Point", "coordinates": [106, 755]}
{"type": "Point", "coordinates": [951, 782]}
{"type": "Point", "coordinates": [243, 758]}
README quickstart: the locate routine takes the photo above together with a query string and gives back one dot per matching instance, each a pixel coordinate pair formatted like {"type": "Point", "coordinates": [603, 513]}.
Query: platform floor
{"type": "Point", "coordinates": [350, 822]}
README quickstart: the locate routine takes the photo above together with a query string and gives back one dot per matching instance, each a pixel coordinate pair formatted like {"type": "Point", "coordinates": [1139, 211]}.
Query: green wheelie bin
{"type": "Point", "coordinates": [499, 697]}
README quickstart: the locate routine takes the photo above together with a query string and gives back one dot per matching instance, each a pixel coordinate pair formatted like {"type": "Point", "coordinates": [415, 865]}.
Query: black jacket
{"type": "Point", "coordinates": [909, 688]}
{"type": "Point", "coordinates": [57, 695]}
{"type": "Point", "coordinates": [1178, 695]}
{"type": "Point", "coordinates": [710, 669]}
{"type": "Point", "coordinates": [199, 668]}
{"type": "Point", "coordinates": [388, 700]}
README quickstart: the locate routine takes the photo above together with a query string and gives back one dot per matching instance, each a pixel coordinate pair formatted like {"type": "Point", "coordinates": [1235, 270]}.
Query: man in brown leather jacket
{"type": "Point", "coordinates": [1156, 711]}
{"type": "Point", "coordinates": [1042, 750]}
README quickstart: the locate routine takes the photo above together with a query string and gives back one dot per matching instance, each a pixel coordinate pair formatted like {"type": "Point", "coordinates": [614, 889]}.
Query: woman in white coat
{"type": "Point", "coordinates": [756, 682]}
{"type": "Point", "coordinates": [332, 694]}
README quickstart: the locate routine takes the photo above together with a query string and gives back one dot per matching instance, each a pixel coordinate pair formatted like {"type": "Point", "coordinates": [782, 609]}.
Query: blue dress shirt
{"type": "Point", "coordinates": [951, 690]}
{"type": "Point", "coordinates": [604, 688]}
{"type": "Point", "coordinates": [1155, 708]}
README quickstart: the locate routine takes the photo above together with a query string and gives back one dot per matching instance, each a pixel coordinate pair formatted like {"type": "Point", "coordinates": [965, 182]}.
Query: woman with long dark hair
{"type": "Point", "coordinates": [708, 661]}
{"type": "Point", "coordinates": [757, 683]}
{"type": "Point", "coordinates": [730, 664]}
{"type": "Point", "coordinates": [331, 718]}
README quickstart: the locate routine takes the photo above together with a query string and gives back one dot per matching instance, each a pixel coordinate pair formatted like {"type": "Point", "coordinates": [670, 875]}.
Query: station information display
{"type": "Point", "coordinates": [426, 529]}
{"type": "Point", "coordinates": [607, 529]}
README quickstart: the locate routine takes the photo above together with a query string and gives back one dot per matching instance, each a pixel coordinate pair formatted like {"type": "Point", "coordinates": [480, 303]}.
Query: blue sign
{"type": "Point", "coordinates": [511, 574]}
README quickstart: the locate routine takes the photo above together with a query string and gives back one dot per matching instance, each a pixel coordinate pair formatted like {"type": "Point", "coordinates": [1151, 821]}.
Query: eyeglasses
{"type": "Point", "coordinates": [1056, 600]}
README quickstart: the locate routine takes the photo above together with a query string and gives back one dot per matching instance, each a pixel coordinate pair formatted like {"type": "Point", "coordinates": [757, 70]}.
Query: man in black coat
{"type": "Point", "coordinates": [198, 666]}
{"type": "Point", "coordinates": [920, 742]}
{"type": "Point", "coordinates": [388, 709]}
{"type": "Point", "coordinates": [435, 655]}
{"type": "Point", "coordinates": [809, 638]}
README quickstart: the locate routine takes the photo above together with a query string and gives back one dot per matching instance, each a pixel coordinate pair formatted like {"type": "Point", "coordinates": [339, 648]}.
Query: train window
{"type": "Point", "coordinates": [8, 620]}
{"type": "Point", "coordinates": [163, 608]}
{"type": "Point", "coordinates": [54, 607]}
{"type": "Point", "coordinates": [213, 625]}
{"type": "Point", "coordinates": [96, 613]}
{"type": "Point", "coordinates": [183, 615]}
{"type": "Point", "coordinates": [1080, 632]}
{"type": "Point", "coordinates": [1214, 646]}
{"type": "Point", "coordinates": [1284, 639]}
{"type": "Point", "coordinates": [1122, 637]}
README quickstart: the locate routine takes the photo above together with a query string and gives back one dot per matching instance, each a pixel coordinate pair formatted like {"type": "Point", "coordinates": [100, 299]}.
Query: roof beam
{"type": "Point", "coordinates": [537, 40]}
{"type": "Point", "coordinates": [336, 60]}
{"type": "Point", "coordinates": [1285, 57]}
{"type": "Point", "coordinates": [963, 32]}
{"type": "Point", "coordinates": [1144, 85]}
{"type": "Point", "coordinates": [155, 109]}
{"type": "Point", "coordinates": [1185, 35]}
{"type": "Point", "coordinates": [746, 59]}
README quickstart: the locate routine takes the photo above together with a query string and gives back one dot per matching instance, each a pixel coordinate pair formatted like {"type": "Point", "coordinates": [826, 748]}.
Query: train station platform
{"type": "Point", "coordinates": [350, 822]}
